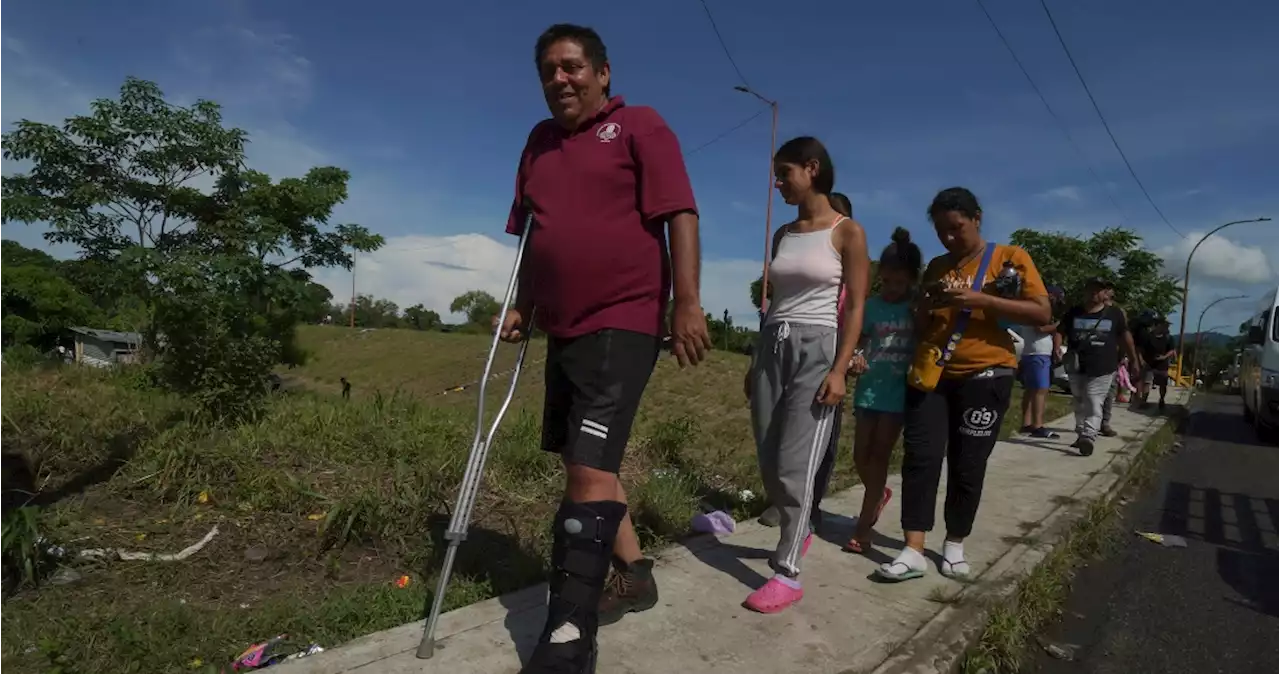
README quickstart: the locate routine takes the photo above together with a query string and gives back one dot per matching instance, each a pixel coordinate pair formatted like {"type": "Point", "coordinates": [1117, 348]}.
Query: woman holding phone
{"type": "Point", "coordinates": [961, 378]}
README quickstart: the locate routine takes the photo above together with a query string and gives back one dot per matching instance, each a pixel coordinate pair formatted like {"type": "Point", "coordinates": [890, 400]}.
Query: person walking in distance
{"type": "Point", "coordinates": [1109, 402]}
{"type": "Point", "coordinates": [1156, 349]}
{"type": "Point", "coordinates": [822, 481]}
{"type": "Point", "coordinates": [1095, 331]}
{"type": "Point", "coordinates": [598, 276]}
{"type": "Point", "coordinates": [881, 393]}
{"type": "Point", "coordinates": [798, 370]}
{"type": "Point", "coordinates": [1039, 343]}
{"type": "Point", "coordinates": [961, 378]}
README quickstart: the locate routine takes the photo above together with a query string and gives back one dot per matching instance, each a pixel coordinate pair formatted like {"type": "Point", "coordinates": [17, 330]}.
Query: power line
{"type": "Point", "coordinates": [723, 46]}
{"type": "Point", "coordinates": [1103, 119]}
{"type": "Point", "coordinates": [1062, 125]}
{"type": "Point", "coordinates": [726, 132]}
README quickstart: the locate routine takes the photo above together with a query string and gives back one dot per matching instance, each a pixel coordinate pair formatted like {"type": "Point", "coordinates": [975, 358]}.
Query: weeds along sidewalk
{"type": "Point", "coordinates": [846, 623]}
{"type": "Point", "coordinates": [322, 504]}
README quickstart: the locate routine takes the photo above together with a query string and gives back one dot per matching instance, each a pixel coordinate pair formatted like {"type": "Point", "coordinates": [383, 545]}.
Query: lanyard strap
{"type": "Point", "coordinates": [962, 320]}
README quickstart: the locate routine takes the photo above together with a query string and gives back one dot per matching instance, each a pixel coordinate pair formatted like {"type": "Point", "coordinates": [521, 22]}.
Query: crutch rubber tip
{"type": "Point", "coordinates": [426, 649]}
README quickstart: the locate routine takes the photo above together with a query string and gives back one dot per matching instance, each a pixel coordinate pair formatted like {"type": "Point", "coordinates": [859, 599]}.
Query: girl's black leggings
{"type": "Point", "coordinates": [959, 421]}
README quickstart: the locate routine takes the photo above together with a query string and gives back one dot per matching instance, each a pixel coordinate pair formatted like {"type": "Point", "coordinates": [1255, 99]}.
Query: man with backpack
{"type": "Point", "coordinates": [1157, 349]}
{"type": "Point", "coordinates": [1095, 332]}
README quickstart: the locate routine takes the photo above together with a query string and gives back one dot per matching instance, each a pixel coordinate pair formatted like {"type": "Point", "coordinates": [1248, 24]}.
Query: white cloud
{"type": "Point", "coordinates": [432, 270]}
{"type": "Point", "coordinates": [1218, 258]}
{"type": "Point", "coordinates": [1064, 193]}
{"type": "Point", "coordinates": [244, 67]}
{"type": "Point", "coordinates": [13, 45]}
{"type": "Point", "coordinates": [35, 92]}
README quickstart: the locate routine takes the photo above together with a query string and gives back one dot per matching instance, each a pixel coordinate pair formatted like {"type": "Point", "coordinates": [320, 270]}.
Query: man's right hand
{"type": "Point", "coordinates": [512, 329]}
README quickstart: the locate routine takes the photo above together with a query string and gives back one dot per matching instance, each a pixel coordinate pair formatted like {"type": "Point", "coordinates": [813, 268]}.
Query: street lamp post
{"type": "Point", "coordinates": [1200, 322]}
{"type": "Point", "coordinates": [768, 209]}
{"type": "Point", "coordinates": [1195, 361]}
{"type": "Point", "coordinates": [1186, 287]}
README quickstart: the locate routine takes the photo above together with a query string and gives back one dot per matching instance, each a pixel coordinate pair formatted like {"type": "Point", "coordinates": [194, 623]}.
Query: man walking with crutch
{"type": "Point", "coordinates": [604, 182]}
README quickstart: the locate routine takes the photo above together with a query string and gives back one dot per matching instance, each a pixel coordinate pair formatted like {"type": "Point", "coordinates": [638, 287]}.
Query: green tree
{"type": "Point", "coordinates": [211, 270]}
{"type": "Point", "coordinates": [314, 300]}
{"type": "Point", "coordinates": [1114, 254]}
{"type": "Point", "coordinates": [18, 255]}
{"type": "Point", "coordinates": [479, 307]}
{"type": "Point", "coordinates": [376, 313]}
{"type": "Point", "coordinates": [419, 317]}
{"type": "Point", "coordinates": [38, 305]}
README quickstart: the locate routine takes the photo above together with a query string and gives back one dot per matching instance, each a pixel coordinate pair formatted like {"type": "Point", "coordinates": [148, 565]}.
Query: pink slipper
{"type": "Point", "coordinates": [773, 596]}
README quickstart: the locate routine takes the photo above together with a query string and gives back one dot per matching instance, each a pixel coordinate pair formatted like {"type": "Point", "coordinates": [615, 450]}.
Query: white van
{"type": "Point", "coordinates": [1258, 367]}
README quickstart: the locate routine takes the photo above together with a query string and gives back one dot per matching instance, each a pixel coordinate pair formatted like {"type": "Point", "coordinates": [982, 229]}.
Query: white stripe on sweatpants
{"type": "Point", "coordinates": [817, 448]}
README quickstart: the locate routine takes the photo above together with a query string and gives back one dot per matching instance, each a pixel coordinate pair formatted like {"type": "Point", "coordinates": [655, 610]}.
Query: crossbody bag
{"type": "Point", "coordinates": [930, 360]}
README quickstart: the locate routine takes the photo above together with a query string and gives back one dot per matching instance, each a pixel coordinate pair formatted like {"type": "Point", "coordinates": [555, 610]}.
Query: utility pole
{"type": "Point", "coordinates": [768, 210]}
{"type": "Point", "coordinates": [352, 310]}
{"type": "Point", "coordinates": [728, 327]}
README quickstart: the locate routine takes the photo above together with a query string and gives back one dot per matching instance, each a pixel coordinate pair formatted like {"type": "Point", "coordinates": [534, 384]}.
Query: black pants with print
{"type": "Point", "coordinates": [959, 421]}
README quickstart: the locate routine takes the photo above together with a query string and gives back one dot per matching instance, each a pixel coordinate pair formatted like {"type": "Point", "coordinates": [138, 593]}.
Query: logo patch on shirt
{"type": "Point", "coordinates": [608, 131]}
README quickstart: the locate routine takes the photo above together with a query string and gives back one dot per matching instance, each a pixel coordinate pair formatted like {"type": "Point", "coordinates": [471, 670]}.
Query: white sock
{"type": "Point", "coordinates": [953, 552]}
{"type": "Point", "coordinates": [565, 633]}
{"type": "Point", "coordinates": [911, 558]}
{"type": "Point", "coordinates": [793, 583]}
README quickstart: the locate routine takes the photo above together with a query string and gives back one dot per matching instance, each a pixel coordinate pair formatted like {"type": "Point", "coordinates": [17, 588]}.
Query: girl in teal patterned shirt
{"type": "Point", "coordinates": [881, 363]}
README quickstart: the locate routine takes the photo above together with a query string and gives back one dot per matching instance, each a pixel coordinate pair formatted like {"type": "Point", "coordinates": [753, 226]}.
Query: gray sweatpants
{"type": "Point", "coordinates": [791, 428]}
{"type": "Point", "coordinates": [1089, 394]}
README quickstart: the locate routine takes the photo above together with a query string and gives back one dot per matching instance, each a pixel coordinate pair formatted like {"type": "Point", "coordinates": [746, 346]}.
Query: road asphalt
{"type": "Point", "coordinates": [1208, 607]}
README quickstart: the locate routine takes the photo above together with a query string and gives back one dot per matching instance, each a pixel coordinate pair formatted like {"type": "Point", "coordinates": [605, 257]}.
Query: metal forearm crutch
{"type": "Point", "coordinates": [457, 531]}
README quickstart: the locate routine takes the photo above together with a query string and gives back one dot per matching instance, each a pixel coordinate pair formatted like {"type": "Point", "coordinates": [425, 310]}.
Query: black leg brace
{"type": "Point", "coordinates": [580, 560]}
{"type": "Point", "coordinates": [584, 534]}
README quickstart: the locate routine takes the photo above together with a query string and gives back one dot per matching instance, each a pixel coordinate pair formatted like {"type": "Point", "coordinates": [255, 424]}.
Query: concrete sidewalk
{"type": "Point", "coordinates": [847, 622]}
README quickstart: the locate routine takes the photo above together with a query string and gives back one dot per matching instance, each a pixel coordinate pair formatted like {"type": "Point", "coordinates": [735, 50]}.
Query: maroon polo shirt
{"type": "Point", "coordinates": [601, 196]}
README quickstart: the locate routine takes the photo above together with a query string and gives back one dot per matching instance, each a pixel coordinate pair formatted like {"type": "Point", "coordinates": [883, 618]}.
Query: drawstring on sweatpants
{"type": "Point", "coordinates": [783, 332]}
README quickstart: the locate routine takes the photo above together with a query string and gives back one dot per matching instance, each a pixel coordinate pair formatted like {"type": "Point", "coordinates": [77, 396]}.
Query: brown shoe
{"type": "Point", "coordinates": [1109, 432]}
{"type": "Point", "coordinates": [630, 589]}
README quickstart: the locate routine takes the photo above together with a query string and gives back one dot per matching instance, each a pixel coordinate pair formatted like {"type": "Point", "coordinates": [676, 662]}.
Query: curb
{"type": "Point", "coordinates": [938, 645]}
{"type": "Point", "coordinates": [942, 643]}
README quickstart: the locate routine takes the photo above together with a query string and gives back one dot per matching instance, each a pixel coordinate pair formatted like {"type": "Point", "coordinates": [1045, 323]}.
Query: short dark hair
{"type": "Point", "coordinates": [587, 38]}
{"type": "Point", "coordinates": [956, 199]}
{"type": "Point", "coordinates": [801, 151]}
{"type": "Point", "coordinates": [841, 204]}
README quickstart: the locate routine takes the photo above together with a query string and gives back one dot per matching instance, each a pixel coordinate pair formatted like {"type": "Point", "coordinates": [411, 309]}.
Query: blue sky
{"type": "Point", "coordinates": [428, 105]}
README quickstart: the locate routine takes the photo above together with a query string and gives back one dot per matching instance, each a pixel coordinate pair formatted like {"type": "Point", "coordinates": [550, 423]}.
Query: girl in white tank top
{"type": "Point", "coordinates": [798, 370]}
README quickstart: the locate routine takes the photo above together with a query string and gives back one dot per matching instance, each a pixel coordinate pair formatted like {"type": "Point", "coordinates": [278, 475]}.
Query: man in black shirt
{"type": "Point", "coordinates": [1156, 346]}
{"type": "Point", "coordinates": [1095, 332]}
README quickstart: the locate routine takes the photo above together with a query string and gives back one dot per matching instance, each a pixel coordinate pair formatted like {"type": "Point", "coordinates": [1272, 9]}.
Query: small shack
{"type": "Point", "coordinates": [103, 348]}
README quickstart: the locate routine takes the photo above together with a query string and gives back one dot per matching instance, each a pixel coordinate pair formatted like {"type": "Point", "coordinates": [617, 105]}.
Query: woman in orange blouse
{"type": "Point", "coordinates": [961, 316]}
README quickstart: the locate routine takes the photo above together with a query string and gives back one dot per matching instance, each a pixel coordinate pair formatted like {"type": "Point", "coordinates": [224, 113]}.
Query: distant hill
{"type": "Point", "coordinates": [1210, 339]}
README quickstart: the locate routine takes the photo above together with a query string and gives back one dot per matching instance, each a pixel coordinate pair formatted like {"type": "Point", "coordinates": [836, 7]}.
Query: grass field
{"type": "Point", "coordinates": [324, 503]}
